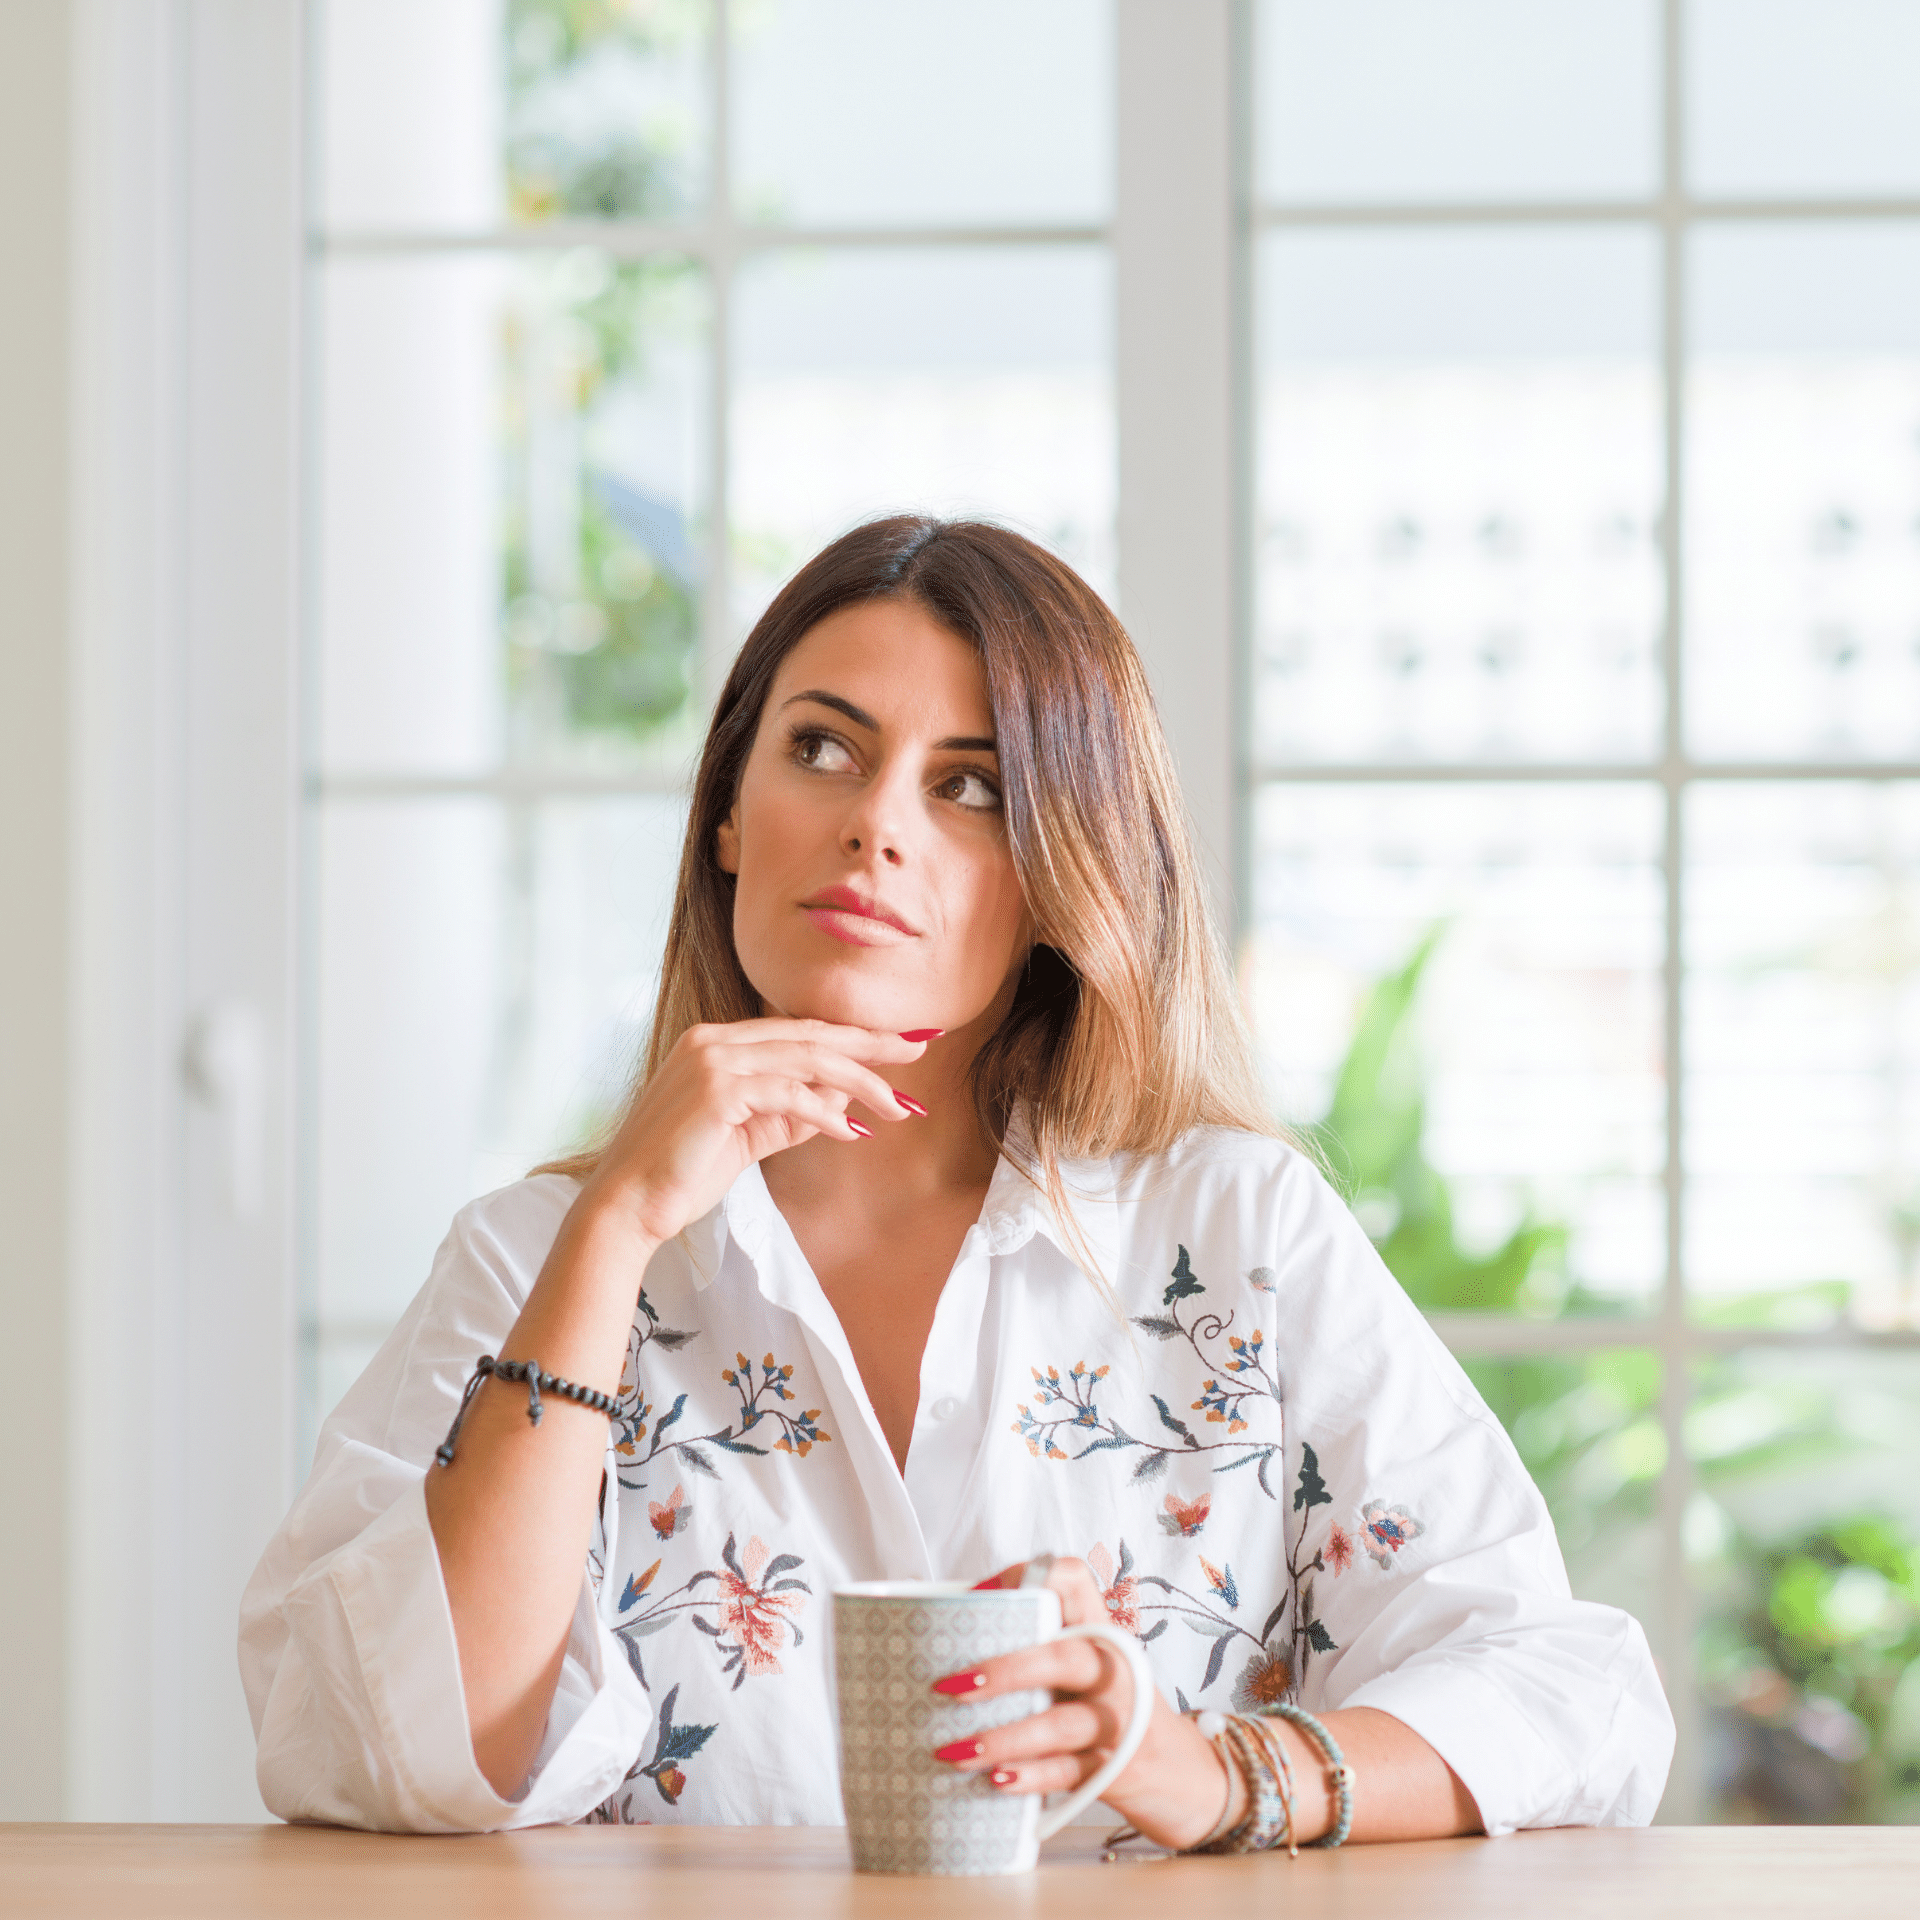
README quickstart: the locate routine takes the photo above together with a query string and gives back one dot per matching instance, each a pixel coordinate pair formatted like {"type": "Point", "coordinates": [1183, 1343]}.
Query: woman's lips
{"type": "Point", "coordinates": [841, 913]}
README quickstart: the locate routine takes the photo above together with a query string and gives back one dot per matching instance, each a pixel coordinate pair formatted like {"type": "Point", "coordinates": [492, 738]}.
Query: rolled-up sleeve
{"type": "Point", "coordinates": [347, 1647]}
{"type": "Point", "coordinates": [1430, 1561]}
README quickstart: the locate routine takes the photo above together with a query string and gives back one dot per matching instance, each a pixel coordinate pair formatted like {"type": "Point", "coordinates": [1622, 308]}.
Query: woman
{"type": "Point", "coordinates": [944, 1230]}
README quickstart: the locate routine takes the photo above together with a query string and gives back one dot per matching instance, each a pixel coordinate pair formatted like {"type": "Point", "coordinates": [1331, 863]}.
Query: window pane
{"type": "Point", "coordinates": [1803, 495]}
{"type": "Point", "coordinates": [1803, 1052]}
{"type": "Point", "coordinates": [1424, 100]}
{"type": "Point", "coordinates": [1460, 477]}
{"type": "Point", "coordinates": [867, 112]}
{"type": "Point", "coordinates": [485, 972]}
{"type": "Point", "coordinates": [1803, 96]}
{"type": "Point", "coordinates": [511, 484]}
{"type": "Point", "coordinates": [1464, 981]}
{"type": "Point", "coordinates": [962, 380]}
{"type": "Point", "coordinates": [449, 113]}
{"type": "Point", "coordinates": [1588, 1428]}
{"type": "Point", "coordinates": [1805, 1543]}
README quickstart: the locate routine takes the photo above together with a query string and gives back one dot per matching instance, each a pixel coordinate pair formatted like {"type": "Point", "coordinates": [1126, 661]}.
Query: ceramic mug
{"type": "Point", "coordinates": [906, 1811]}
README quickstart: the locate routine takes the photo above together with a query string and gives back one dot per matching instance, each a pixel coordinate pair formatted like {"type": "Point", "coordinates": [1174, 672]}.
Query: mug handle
{"type": "Point", "coordinates": [1052, 1819]}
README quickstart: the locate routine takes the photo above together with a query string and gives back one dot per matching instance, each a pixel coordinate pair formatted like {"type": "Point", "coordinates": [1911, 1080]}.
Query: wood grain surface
{"type": "Point", "coordinates": [801, 1873]}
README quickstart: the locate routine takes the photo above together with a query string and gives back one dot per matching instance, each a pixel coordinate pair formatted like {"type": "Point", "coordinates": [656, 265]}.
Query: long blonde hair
{"type": "Point", "coordinates": [1124, 1032]}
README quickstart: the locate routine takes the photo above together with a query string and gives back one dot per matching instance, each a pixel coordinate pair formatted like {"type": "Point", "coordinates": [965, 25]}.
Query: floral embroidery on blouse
{"type": "Point", "coordinates": [1066, 1410]}
{"type": "Point", "coordinates": [633, 1411]}
{"type": "Point", "coordinates": [671, 1744]}
{"type": "Point", "coordinates": [1387, 1528]}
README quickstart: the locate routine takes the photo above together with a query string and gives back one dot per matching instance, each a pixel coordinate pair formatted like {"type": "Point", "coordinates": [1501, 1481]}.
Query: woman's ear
{"type": "Point", "coordinates": [726, 841]}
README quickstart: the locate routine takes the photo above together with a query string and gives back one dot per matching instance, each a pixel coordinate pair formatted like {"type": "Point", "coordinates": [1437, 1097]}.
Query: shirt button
{"type": "Point", "coordinates": [945, 1408]}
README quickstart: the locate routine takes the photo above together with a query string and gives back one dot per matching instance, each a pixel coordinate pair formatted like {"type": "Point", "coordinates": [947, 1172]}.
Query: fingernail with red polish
{"type": "Point", "coordinates": [959, 1750]}
{"type": "Point", "coordinates": [924, 1033]}
{"type": "Point", "coordinates": [865, 1133]}
{"type": "Point", "coordinates": [908, 1101]}
{"type": "Point", "coordinates": [1003, 1776]}
{"type": "Point", "coordinates": [960, 1683]}
{"type": "Point", "coordinates": [981, 1586]}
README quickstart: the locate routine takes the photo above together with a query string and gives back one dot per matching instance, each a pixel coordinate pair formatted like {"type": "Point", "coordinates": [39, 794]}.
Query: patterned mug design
{"type": "Point", "coordinates": [906, 1811]}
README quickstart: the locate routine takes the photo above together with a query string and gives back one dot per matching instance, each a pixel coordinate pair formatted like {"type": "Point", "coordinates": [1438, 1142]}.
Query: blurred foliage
{"type": "Point", "coordinates": [1810, 1646]}
{"type": "Point", "coordinates": [573, 149]}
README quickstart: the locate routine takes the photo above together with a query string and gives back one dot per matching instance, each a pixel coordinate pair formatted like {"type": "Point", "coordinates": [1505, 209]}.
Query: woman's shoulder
{"type": "Point", "coordinates": [1213, 1159]}
{"type": "Point", "coordinates": [514, 1225]}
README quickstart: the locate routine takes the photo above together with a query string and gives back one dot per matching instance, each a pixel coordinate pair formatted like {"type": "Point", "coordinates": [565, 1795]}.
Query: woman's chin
{"type": "Point", "coordinates": [849, 996]}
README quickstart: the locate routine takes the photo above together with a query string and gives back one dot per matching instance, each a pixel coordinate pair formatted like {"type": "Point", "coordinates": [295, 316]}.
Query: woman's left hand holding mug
{"type": "Point", "coordinates": [1174, 1790]}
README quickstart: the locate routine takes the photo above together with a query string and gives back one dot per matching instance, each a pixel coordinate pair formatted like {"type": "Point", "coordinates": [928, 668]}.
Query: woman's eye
{"type": "Point", "coordinates": [822, 753]}
{"type": "Point", "coordinates": [970, 789]}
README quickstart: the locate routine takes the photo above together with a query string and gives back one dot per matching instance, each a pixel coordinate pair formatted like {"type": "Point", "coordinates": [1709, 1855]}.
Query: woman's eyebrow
{"type": "Point", "coordinates": [954, 743]}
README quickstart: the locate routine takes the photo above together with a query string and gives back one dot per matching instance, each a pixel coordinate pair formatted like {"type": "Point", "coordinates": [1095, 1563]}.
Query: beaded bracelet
{"type": "Point", "coordinates": [1339, 1774]}
{"type": "Point", "coordinates": [537, 1383]}
{"type": "Point", "coordinates": [1269, 1817]}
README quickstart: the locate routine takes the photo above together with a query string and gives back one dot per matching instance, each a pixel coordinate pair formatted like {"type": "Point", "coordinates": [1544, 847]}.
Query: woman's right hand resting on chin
{"type": "Point", "coordinates": [512, 1516]}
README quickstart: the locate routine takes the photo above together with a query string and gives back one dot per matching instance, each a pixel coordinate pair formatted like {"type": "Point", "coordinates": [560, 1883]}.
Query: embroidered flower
{"type": "Point", "coordinates": [1220, 1579]}
{"type": "Point", "coordinates": [1118, 1588]}
{"type": "Point", "coordinates": [801, 1433]}
{"type": "Point", "coordinates": [670, 1516]}
{"type": "Point", "coordinates": [1264, 1682]}
{"type": "Point", "coordinates": [1264, 1278]}
{"type": "Point", "coordinates": [1213, 1402]}
{"type": "Point", "coordinates": [1386, 1529]}
{"type": "Point", "coordinates": [672, 1784]}
{"type": "Point", "coordinates": [755, 1616]}
{"type": "Point", "coordinates": [1036, 1436]}
{"type": "Point", "coordinates": [637, 1584]}
{"type": "Point", "coordinates": [1338, 1552]}
{"type": "Point", "coordinates": [1246, 1353]}
{"type": "Point", "coordinates": [1185, 1517]}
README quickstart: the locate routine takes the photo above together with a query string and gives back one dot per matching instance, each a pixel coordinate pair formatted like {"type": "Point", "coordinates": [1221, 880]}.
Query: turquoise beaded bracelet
{"type": "Point", "coordinates": [1339, 1774]}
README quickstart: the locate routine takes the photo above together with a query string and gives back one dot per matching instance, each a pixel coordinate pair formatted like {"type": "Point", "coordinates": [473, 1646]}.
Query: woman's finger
{"type": "Point", "coordinates": [779, 1097]}
{"type": "Point", "coordinates": [857, 1043]}
{"type": "Point", "coordinates": [1074, 1726]}
{"type": "Point", "coordinates": [1059, 1774]}
{"type": "Point", "coordinates": [818, 1065]}
{"type": "Point", "coordinates": [1065, 1666]}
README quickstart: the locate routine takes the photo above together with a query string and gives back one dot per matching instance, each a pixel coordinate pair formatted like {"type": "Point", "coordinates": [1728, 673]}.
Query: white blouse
{"type": "Point", "coordinates": [1284, 1483]}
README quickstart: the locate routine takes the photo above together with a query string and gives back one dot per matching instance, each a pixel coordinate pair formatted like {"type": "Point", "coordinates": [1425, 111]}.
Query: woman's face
{"type": "Point", "coordinates": [876, 887]}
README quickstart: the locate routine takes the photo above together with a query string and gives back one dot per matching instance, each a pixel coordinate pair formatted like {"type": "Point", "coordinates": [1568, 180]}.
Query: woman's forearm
{"type": "Point", "coordinates": [1402, 1789]}
{"type": "Point", "coordinates": [513, 1515]}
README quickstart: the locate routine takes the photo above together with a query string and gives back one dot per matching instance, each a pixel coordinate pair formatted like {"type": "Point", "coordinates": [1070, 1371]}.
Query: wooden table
{"type": "Point", "coordinates": [801, 1873]}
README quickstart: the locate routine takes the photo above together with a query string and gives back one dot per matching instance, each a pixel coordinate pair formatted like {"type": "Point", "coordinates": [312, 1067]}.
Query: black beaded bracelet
{"type": "Point", "coordinates": [537, 1383]}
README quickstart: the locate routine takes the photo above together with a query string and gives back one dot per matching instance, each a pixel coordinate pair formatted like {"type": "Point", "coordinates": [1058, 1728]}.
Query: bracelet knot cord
{"type": "Point", "coordinates": [529, 1371]}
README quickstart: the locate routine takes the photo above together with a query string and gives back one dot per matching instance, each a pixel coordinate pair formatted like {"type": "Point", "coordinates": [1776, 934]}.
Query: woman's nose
{"type": "Point", "coordinates": [879, 824]}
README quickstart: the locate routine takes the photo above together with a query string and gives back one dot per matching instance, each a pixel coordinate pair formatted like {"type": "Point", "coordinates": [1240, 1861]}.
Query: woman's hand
{"type": "Point", "coordinates": [1175, 1789]}
{"type": "Point", "coordinates": [729, 1095]}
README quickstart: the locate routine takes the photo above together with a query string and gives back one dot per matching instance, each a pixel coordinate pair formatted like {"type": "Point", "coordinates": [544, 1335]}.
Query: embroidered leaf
{"type": "Point", "coordinates": [1312, 1490]}
{"type": "Point", "coordinates": [705, 1626]}
{"type": "Point", "coordinates": [666, 1721]}
{"type": "Point", "coordinates": [674, 1338]}
{"type": "Point", "coordinates": [672, 1414]}
{"type": "Point", "coordinates": [1126, 1561]}
{"type": "Point", "coordinates": [1183, 1282]}
{"type": "Point", "coordinates": [1173, 1423]}
{"type": "Point", "coordinates": [633, 1657]}
{"type": "Point", "coordinates": [727, 1441]}
{"type": "Point", "coordinates": [787, 1586]}
{"type": "Point", "coordinates": [642, 1629]}
{"type": "Point", "coordinates": [1214, 1660]}
{"type": "Point", "coordinates": [1185, 1705]}
{"type": "Point", "coordinates": [1153, 1632]}
{"type": "Point", "coordinates": [1154, 1580]}
{"type": "Point", "coordinates": [793, 1627]}
{"type": "Point", "coordinates": [782, 1563]}
{"type": "Point", "coordinates": [1151, 1468]}
{"type": "Point", "coordinates": [1209, 1628]}
{"type": "Point", "coordinates": [1161, 1329]}
{"type": "Point", "coordinates": [647, 1307]}
{"type": "Point", "coordinates": [1273, 1620]}
{"type": "Point", "coordinates": [1319, 1639]}
{"type": "Point", "coordinates": [683, 1743]}
{"type": "Point", "coordinates": [1246, 1460]}
{"type": "Point", "coordinates": [698, 1461]}
{"type": "Point", "coordinates": [1120, 1437]}
{"type": "Point", "coordinates": [732, 1559]}
{"type": "Point", "coordinates": [1265, 1485]}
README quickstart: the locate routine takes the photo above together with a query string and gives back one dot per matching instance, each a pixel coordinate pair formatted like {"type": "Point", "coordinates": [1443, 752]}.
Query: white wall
{"type": "Point", "coordinates": [34, 830]}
